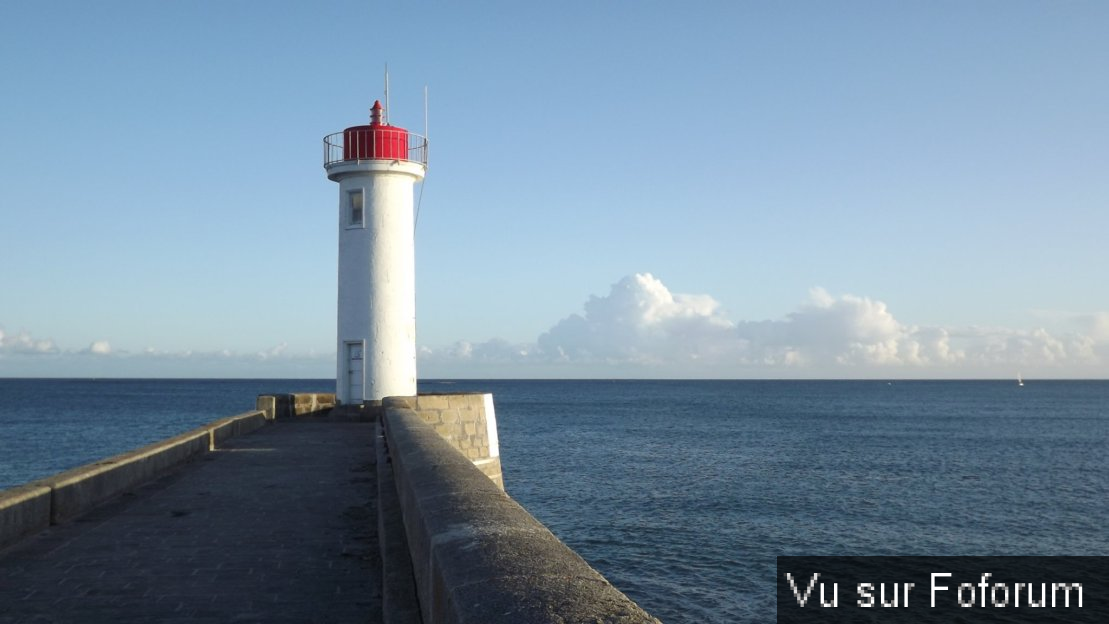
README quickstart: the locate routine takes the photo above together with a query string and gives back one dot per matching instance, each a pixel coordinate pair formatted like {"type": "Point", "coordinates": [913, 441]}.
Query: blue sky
{"type": "Point", "coordinates": [616, 189]}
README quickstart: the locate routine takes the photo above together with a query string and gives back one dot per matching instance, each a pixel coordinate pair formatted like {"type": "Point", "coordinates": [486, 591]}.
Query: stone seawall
{"type": "Point", "coordinates": [466, 421]}
{"type": "Point", "coordinates": [33, 507]}
{"type": "Point", "coordinates": [477, 556]}
{"type": "Point", "coordinates": [296, 404]}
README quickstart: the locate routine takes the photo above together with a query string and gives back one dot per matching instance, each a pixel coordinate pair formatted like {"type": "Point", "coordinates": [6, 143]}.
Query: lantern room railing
{"type": "Point", "coordinates": [374, 144]}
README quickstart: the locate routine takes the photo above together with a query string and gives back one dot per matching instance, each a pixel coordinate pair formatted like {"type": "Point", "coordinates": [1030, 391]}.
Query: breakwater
{"type": "Point", "coordinates": [474, 553]}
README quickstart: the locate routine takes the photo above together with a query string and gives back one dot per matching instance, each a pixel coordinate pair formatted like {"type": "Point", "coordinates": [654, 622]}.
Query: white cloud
{"type": "Point", "coordinates": [23, 343]}
{"type": "Point", "coordinates": [1034, 348]}
{"type": "Point", "coordinates": [1096, 327]}
{"type": "Point", "coordinates": [642, 327]}
{"type": "Point", "coordinates": [846, 331]}
{"type": "Point", "coordinates": [100, 347]}
{"type": "Point", "coordinates": [19, 356]}
{"type": "Point", "coordinates": [641, 321]}
{"type": "Point", "coordinates": [274, 352]}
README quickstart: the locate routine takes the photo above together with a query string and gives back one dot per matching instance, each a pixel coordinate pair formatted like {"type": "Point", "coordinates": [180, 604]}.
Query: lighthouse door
{"type": "Point", "coordinates": [354, 373]}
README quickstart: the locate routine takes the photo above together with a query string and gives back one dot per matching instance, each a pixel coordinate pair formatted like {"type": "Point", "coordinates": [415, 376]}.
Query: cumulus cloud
{"type": "Point", "coordinates": [100, 347]}
{"type": "Point", "coordinates": [847, 331]}
{"type": "Point", "coordinates": [1035, 347]}
{"type": "Point", "coordinates": [1094, 328]}
{"type": "Point", "coordinates": [642, 328]}
{"type": "Point", "coordinates": [24, 343]}
{"type": "Point", "coordinates": [640, 323]}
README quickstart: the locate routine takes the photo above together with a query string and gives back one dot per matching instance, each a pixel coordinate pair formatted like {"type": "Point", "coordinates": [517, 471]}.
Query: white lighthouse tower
{"type": "Point", "coordinates": [376, 167]}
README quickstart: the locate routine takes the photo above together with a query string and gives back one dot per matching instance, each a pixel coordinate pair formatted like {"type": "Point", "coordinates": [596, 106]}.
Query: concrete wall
{"type": "Point", "coordinates": [76, 491]}
{"type": "Point", "coordinates": [28, 509]}
{"type": "Point", "coordinates": [24, 510]}
{"type": "Point", "coordinates": [478, 557]}
{"type": "Point", "coordinates": [234, 426]}
{"type": "Point", "coordinates": [466, 421]}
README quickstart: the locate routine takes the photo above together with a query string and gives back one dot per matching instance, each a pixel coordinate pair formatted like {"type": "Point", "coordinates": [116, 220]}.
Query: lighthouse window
{"type": "Point", "coordinates": [356, 207]}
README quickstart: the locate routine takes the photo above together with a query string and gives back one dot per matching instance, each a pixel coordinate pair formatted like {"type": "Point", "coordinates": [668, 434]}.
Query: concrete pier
{"type": "Point", "coordinates": [297, 512]}
{"type": "Point", "coordinates": [275, 526]}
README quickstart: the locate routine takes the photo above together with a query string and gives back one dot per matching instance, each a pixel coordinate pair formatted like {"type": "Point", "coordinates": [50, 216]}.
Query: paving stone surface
{"type": "Point", "coordinates": [279, 526]}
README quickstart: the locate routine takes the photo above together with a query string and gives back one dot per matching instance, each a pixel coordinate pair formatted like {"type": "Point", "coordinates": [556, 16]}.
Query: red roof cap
{"type": "Point", "coordinates": [375, 113]}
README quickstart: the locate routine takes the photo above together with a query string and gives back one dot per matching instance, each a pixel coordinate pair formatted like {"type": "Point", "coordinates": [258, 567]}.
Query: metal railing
{"type": "Point", "coordinates": [374, 144]}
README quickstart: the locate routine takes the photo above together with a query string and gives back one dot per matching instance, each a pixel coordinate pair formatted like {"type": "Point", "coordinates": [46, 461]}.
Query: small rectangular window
{"type": "Point", "coordinates": [356, 207]}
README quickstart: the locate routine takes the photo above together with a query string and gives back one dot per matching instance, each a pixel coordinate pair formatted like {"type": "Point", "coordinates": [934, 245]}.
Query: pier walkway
{"type": "Point", "coordinates": [276, 526]}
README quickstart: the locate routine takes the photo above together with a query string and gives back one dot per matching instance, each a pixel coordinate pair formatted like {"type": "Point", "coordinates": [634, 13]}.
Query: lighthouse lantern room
{"type": "Point", "coordinates": [376, 166]}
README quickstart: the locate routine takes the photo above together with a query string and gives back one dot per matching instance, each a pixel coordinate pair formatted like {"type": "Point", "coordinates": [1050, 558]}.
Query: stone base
{"type": "Point", "coordinates": [301, 404]}
{"type": "Point", "coordinates": [466, 420]}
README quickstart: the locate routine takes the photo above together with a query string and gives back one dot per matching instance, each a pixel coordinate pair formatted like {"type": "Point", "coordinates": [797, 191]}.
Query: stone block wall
{"type": "Point", "coordinates": [467, 421]}
{"type": "Point", "coordinates": [477, 557]}
{"type": "Point", "coordinates": [295, 404]}
{"type": "Point", "coordinates": [311, 403]}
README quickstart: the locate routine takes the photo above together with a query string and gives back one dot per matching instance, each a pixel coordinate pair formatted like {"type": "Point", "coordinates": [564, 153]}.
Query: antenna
{"type": "Point", "coordinates": [386, 120]}
{"type": "Point", "coordinates": [420, 198]}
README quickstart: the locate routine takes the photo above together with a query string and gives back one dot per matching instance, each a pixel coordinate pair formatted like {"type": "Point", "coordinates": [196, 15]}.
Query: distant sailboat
{"type": "Point", "coordinates": [1020, 381]}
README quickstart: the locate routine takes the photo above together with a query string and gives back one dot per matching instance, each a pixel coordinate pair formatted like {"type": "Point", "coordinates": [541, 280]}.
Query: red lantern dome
{"type": "Point", "coordinates": [378, 140]}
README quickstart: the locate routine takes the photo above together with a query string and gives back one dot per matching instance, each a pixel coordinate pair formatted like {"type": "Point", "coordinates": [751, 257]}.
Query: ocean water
{"type": "Point", "coordinates": [50, 425]}
{"type": "Point", "coordinates": [683, 493]}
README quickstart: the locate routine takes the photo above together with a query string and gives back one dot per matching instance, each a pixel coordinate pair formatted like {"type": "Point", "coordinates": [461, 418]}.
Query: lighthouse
{"type": "Point", "coordinates": [377, 167]}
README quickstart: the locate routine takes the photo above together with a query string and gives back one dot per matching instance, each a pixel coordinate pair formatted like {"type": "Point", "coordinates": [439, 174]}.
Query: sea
{"type": "Point", "coordinates": [683, 493]}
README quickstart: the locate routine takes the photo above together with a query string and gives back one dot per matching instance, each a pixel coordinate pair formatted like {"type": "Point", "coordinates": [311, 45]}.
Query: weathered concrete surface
{"type": "Point", "coordinates": [399, 604]}
{"type": "Point", "coordinates": [233, 426]}
{"type": "Point", "coordinates": [467, 421]}
{"type": "Point", "coordinates": [311, 403]}
{"type": "Point", "coordinates": [23, 510]}
{"type": "Point", "coordinates": [296, 404]}
{"type": "Point", "coordinates": [80, 489]}
{"type": "Point", "coordinates": [478, 556]}
{"type": "Point", "coordinates": [278, 526]}
{"type": "Point", "coordinates": [267, 404]}
{"type": "Point", "coordinates": [76, 491]}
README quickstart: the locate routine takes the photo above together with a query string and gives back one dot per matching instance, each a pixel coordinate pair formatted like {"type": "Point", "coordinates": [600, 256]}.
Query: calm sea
{"type": "Point", "coordinates": [683, 493]}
